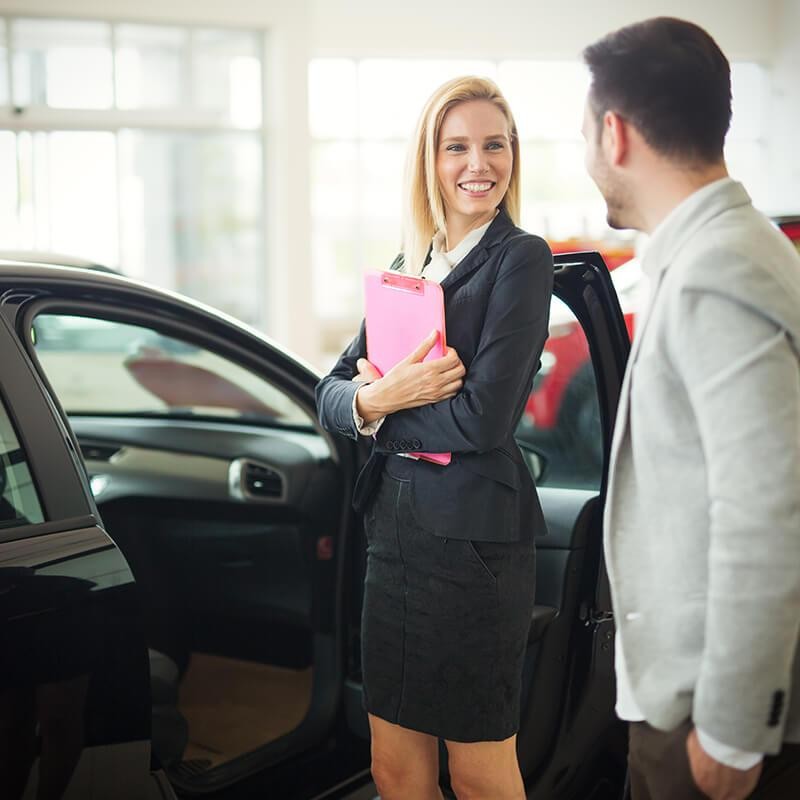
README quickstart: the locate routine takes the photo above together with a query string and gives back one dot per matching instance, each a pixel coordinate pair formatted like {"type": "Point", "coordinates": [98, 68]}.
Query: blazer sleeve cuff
{"type": "Point", "coordinates": [726, 754]}
{"type": "Point", "coordinates": [362, 427]}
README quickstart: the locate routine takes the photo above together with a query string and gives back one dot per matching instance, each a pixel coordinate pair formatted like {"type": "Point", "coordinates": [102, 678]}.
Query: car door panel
{"type": "Point", "coordinates": [238, 564]}
{"type": "Point", "coordinates": [223, 569]}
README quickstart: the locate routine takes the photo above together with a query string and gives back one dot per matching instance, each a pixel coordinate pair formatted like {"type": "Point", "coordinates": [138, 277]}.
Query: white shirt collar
{"type": "Point", "coordinates": [442, 261]}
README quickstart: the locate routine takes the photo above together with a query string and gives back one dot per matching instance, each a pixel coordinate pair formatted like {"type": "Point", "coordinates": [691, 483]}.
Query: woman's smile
{"type": "Point", "coordinates": [477, 188]}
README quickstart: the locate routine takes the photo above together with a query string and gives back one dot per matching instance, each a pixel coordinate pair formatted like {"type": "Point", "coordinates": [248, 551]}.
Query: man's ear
{"type": "Point", "coordinates": [614, 138]}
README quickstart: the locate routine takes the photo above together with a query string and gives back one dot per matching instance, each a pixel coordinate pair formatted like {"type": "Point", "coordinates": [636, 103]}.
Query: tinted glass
{"type": "Point", "coordinates": [98, 366]}
{"type": "Point", "coordinates": [19, 501]}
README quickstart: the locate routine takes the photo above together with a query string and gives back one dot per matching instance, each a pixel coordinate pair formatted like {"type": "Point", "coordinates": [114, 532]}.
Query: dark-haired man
{"type": "Point", "coordinates": [703, 511]}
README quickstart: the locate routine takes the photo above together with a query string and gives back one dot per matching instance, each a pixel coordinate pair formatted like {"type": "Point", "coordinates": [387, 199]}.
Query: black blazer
{"type": "Point", "coordinates": [497, 306]}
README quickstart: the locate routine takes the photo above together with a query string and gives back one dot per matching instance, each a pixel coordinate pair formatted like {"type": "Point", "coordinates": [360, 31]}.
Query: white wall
{"type": "Point", "coordinates": [523, 28]}
{"type": "Point", "coordinates": [784, 126]}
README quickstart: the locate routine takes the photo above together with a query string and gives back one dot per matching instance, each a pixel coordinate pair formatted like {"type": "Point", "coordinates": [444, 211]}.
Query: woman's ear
{"type": "Point", "coordinates": [614, 138]}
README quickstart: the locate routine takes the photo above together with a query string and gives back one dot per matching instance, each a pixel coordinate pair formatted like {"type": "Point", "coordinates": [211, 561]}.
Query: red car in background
{"type": "Point", "coordinates": [561, 419]}
{"type": "Point", "coordinates": [791, 227]}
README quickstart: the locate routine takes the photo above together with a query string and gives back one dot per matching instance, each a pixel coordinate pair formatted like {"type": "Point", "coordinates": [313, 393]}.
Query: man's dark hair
{"type": "Point", "coordinates": [669, 79]}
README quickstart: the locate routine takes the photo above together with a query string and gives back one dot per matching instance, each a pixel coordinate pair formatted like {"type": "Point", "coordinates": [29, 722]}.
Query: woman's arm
{"type": "Point", "coordinates": [336, 390]}
{"type": "Point", "coordinates": [401, 388]}
{"type": "Point", "coordinates": [409, 384]}
{"type": "Point", "coordinates": [513, 335]}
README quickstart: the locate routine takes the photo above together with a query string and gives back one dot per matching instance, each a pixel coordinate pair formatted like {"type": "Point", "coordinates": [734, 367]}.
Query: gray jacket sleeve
{"type": "Point", "coordinates": [335, 392]}
{"type": "Point", "coordinates": [741, 371]}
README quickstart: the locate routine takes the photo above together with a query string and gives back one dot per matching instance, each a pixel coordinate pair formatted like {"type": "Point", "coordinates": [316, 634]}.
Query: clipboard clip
{"type": "Point", "coordinates": [404, 283]}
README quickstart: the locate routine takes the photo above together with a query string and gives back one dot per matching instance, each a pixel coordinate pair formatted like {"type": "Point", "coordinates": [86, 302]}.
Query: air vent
{"type": "Point", "coordinates": [256, 482]}
{"type": "Point", "coordinates": [98, 452]}
{"type": "Point", "coordinates": [261, 481]}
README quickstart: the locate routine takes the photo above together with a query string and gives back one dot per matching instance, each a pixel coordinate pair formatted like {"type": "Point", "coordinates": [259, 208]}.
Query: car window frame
{"type": "Point", "coordinates": [180, 328]}
{"type": "Point", "coordinates": [583, 282]}
{"type": "Point", "coordinates": [45, 444]}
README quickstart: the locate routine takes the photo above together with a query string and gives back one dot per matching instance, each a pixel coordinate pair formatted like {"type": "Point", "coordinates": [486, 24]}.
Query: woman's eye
{"type": "Point", "coordinates": [494, 146]}
{"type": "Point", "coordinates": [455, 148]}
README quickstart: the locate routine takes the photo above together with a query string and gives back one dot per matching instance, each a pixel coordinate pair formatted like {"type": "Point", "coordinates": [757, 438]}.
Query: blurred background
{"type": "Point", "coordinates": [249, 154]}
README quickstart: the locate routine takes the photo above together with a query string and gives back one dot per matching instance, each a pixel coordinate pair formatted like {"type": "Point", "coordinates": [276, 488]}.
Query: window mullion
{"type": "Point", "coordinates": [118, 196]}
{"type": "Point", "coordinates": [19, 188]}
{"type": "Point", "coordinates": [10, 61]}
{"type": "Point", "coordinates": [198, 121]}
{"type": "Point", "coordinates": [189, 100]}
{"type": "Point", "coordinates": [358, 223]}
{"type": "Point", "coordinates": [113, 44]}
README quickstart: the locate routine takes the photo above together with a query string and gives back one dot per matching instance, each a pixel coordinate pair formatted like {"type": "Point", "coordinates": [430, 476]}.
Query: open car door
{"type": "Point", "coordinates": [196, 440]}
{"type": "Point", "coordinates": [570, 744]}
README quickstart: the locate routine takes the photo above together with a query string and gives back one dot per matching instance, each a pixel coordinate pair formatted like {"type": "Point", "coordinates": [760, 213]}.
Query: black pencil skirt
{"type": "Point", "coordinates": [445, 622]}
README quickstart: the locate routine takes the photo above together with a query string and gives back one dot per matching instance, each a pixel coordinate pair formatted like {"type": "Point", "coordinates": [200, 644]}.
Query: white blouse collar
{"type": "Point", "coordinates": [442, 261]}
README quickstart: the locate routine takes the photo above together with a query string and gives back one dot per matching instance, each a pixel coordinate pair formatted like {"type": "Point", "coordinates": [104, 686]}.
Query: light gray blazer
{"type": "Point", "coordinates": [702, 521]}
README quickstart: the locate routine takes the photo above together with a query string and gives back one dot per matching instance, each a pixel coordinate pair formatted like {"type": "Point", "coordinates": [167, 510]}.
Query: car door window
{"type": "Point", "coordinates": [19, 500]}
{"type": "Point", "coordinates": [561, 420]}
{"type": "Point", "coordinates": [99, 366]}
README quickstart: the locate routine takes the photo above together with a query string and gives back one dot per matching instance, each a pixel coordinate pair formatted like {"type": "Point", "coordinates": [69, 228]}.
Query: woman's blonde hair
{"type": "Point", "coordinates": [424, 205]}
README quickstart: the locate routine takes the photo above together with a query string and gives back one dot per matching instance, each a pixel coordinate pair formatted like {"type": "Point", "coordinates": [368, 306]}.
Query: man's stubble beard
{"type": "Point", "coordinates": [618, 206]}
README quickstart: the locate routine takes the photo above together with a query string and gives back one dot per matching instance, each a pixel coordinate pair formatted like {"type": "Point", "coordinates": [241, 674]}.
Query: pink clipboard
{"type": "Point", "coordinates": [400, 311]}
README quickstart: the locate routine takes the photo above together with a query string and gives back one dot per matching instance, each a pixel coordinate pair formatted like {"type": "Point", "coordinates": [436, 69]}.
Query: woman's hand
{"type": "Point", "coordinates": [410, 383]}
{"type": "Point", "coordinates": [366, 372]}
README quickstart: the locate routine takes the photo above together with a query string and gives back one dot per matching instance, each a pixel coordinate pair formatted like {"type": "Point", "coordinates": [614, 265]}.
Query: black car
{"type": "Point", "coordinates": [181, 571]}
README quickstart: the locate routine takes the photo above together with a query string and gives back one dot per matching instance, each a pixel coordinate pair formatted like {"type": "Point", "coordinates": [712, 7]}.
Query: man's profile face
{"type": "Point", "coordinates": [601, 172]}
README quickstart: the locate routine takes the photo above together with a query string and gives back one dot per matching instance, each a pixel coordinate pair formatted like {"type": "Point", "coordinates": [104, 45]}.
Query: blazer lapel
{"type": "Point", "coordinates": [623, 411]}
{"type": "Point", "coordinates": [498, 231]}
{"type": "Point", "coordinates": [466, 266]}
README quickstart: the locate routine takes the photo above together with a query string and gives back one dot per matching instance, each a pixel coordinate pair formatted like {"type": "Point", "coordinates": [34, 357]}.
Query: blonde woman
{"type": "Point", "coordinates": [449, 588]}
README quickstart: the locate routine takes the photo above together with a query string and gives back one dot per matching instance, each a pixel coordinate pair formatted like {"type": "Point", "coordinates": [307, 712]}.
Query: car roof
{"type": "Point", "coordinates": [24, 271]}
{"type": "Point", "coordinates": [29, 271]}
{"type": "Point", "coordinates": [56, 259]}
{"type": "Point", "coordinates": [26, 268]}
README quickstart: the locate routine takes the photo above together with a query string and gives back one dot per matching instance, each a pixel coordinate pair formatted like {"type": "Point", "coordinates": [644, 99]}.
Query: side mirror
{"type": "Point", "coordinates": [535, 460]}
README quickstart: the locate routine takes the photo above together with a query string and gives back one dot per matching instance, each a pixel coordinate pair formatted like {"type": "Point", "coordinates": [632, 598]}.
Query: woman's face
{"type": "Point", "coordinates": [473, 162]}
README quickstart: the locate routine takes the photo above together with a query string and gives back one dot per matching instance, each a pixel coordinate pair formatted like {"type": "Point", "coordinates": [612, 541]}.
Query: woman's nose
{"type": "Point", "coordinates": [477, 162]}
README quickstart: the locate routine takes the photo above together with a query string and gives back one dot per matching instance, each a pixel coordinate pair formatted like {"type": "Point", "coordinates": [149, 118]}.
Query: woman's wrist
{"type": "Point", "coordinates": [368, 402]}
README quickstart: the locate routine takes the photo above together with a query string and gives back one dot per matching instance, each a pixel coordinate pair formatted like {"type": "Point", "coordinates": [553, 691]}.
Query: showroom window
{"type": "Point", "coordinates": [362, 113]}
{"type": "Point", "coordinates": [139, 147]}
